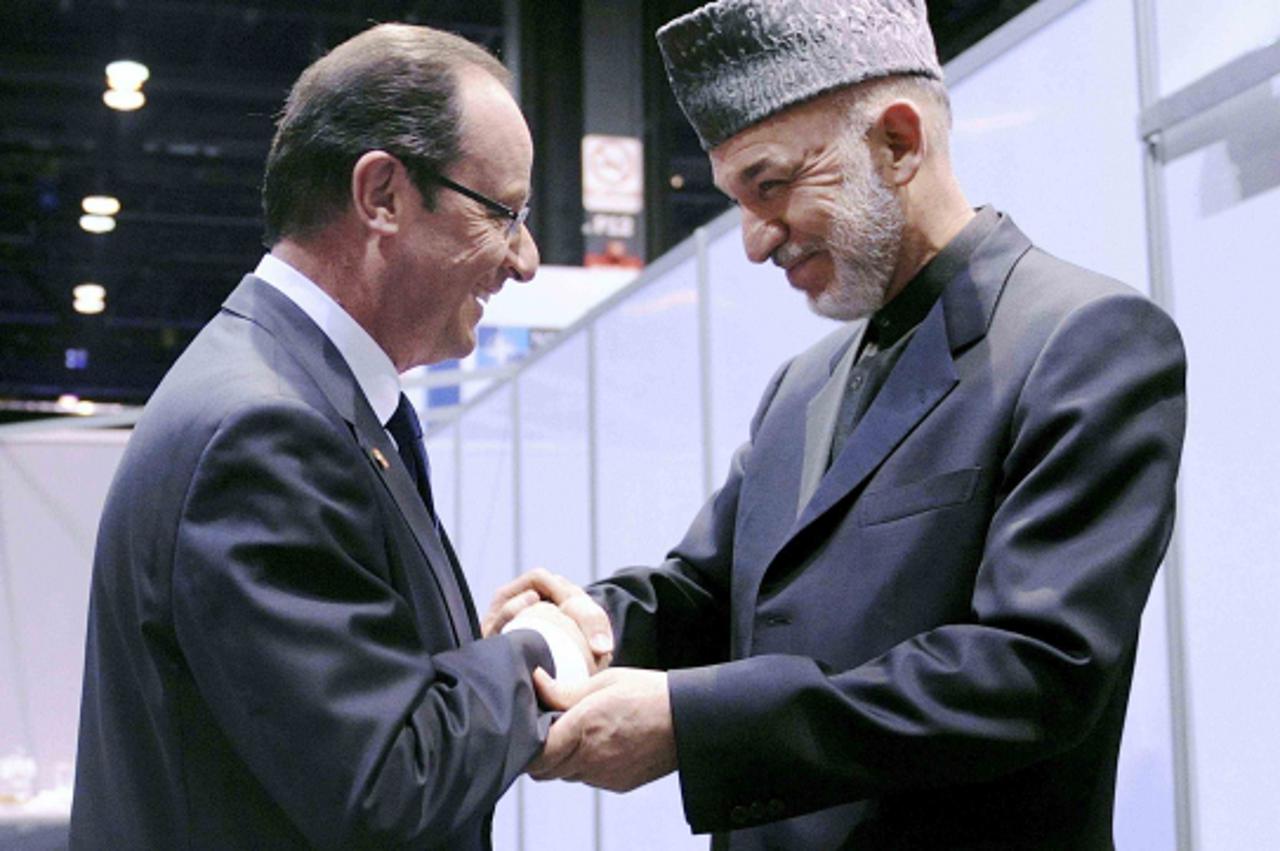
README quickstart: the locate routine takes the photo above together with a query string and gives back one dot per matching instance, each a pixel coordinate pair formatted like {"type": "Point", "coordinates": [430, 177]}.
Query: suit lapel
{"type": "Point", "coordinates": [922, 378]}
{"type": "Point", "coordinates": [272, 310]}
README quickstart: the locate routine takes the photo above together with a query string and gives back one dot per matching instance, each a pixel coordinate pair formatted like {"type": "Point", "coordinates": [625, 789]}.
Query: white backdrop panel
{"type": "Point", "coordinates": [487, 534]}
{"type": "Point", "coordinates": [1046, 133]}
{"type": "Point", "coordinates": [52, 488]}
{"type": "Point", "coordinates": [1224, 206]}
{"type": "Point", "coordinates": [650, 486]}
{"type": "Point", "coordinates": [555, 533]}
{"type": "Point", "coordinates": [1034, 137]}
{"type": "Point", "coordinates": [1195, 36]}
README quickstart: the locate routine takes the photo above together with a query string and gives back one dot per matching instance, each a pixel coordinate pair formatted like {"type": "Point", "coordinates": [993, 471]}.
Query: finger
{"type": "Point", "coordinates": [552, 586]}
{"type": "Point", "coordinates": [495, 620]}
{"type": "Point", "coordinates": [553, 694]}
{"type": "Point", "coordinates": [592, 620]}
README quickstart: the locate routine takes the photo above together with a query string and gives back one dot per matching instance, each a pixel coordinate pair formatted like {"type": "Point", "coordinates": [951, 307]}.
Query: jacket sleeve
{"type": "Point", "coordinates": [310, 660]}
{"type": "Point", "coordinates": [1083, 516]}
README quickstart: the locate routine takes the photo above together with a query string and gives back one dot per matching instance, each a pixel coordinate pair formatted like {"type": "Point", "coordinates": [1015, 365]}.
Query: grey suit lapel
{"type": "Point", "coordinates": [923, 377]}
{"type": "Point", "coordinates": [271, 309]}
{"type": "Point", "coordinates": [820, 419]}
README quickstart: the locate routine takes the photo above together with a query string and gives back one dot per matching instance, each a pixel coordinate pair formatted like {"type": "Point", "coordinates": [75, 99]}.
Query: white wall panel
{"type": "Point", "coordinates": [556, 534]}
{"type": "Point", "coordinates": [487, 534]}
{"type": "Point", "coordinates": [650, 487]}
{"type": "Point", "coordinates": [1224, 216]}
{"type": "Point", "coordinates": [1197, 36]}
{"type": "Point", "coordinates": [1046, 133]}
{"type": "Point", "coordinates": [52, 489]}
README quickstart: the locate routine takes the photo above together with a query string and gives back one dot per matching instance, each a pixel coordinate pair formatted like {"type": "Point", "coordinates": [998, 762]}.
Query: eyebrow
{"type": "Point", "coordinates": [747, 175]}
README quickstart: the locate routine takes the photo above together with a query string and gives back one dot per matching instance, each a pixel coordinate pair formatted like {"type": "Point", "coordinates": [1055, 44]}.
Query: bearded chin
{"type": "Point", "coordinates": [866, 237]}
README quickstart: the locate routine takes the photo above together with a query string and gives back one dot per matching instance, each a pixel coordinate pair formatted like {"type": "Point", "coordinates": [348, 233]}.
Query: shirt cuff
{"type": "Point", "coordinates": [571, 668]}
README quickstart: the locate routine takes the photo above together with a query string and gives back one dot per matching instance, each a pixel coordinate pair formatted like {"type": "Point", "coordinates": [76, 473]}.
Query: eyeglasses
{"type": "Point", "coordinates": [516, 217]}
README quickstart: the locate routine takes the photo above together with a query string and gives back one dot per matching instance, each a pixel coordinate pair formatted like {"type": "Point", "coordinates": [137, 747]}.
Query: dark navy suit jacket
{"type": "Point", "coordinates": [281, 652]}
{"type": "Point", "coordinates": [936, 651]}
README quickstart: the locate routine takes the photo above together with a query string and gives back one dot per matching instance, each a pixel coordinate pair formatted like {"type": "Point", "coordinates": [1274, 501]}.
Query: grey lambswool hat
{"type": "Point", "coordinates": [733, 63]}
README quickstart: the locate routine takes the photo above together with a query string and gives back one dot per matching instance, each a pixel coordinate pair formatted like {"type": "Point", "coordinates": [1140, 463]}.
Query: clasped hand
{"type": "Point", "coordinates": [616, 731]}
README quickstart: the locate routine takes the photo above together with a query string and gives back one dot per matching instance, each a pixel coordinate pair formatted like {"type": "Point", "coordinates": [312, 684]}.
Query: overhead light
{"type": "Point", "coordinates": [124, 100]}
{"type": "Point", "coordinates": [89, 298]}
{"type": "Point", "coordinates": [97, 224]}
{"type": "Point", "coordinates": [127, 75]}
{"type": "Point", "coordinates": [100, 205]}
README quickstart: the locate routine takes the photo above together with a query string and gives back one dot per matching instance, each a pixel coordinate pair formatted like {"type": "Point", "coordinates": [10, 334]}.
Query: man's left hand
{"type": "Point", "coordinates": [616, 732]}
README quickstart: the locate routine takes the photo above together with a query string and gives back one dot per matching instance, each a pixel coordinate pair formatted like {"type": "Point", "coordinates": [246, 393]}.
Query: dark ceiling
{"type": "Point", "coordinates": [186, 167]}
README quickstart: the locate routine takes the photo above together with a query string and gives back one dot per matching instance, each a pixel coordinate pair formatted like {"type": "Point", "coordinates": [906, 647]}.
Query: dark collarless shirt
{"type": "Point", "coordinates": [891, 328]}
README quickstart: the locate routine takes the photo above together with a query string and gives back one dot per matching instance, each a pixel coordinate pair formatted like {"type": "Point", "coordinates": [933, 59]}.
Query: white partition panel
{"type": "Point", "coordinates": [1224, 217]}
{"type": "Point", "coordinates": [1045, 132]}
{"type": "Point", "coordinates": [52, 488]}
{"type": "Point", "coordinates": [1197, 36]}
{"type": "Point", "coordinates": [649, 483]}
{"type": "Point", "coordinates": [757, 322]}
{"type": "Point", "coordinates": [487, 535]}
{"type": "Point", "coordinates": [555, 533]}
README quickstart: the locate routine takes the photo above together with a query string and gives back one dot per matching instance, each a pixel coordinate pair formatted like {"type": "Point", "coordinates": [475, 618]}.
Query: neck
{"type": "Point", "coordinates": [935, 212]}
{"type": "Point", "coordinates": [342, 276]}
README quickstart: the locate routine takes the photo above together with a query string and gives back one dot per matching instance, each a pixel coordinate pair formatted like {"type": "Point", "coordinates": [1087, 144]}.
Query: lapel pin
{"type": "Point", "coordinates": [380, 458]}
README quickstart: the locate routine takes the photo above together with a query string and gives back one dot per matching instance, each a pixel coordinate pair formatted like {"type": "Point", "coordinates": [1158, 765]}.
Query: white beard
{"type": "Point", "coordinates": [866, 237]}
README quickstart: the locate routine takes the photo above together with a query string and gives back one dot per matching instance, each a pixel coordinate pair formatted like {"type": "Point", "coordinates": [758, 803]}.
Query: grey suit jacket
{"type": "Point", "coordinates": [936, 651]}
{"type": "Point", "coordinates": [281, 652]}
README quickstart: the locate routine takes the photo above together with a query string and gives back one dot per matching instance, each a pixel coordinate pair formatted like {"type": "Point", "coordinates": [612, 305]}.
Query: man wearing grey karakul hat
{"type": "Point", "coordinates": [908, 618]}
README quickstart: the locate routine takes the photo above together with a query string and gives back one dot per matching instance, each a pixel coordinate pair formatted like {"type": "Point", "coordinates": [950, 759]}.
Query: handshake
{"type": "Point", "coordinates": [616, 731]}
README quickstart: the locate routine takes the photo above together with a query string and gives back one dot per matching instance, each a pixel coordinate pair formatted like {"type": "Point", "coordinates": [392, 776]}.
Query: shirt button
{"type": "Point", "coordinates": [856, 382]}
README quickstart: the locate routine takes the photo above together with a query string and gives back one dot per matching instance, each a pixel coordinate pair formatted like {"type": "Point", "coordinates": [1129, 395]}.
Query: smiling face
{"type": "Point", "coordinates": [453, 258]}
{"type": "Point", "coordinates": [813, 203]}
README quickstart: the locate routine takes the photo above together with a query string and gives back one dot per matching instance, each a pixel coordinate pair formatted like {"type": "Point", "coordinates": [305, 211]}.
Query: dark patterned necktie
{"type": "Point", "coordinates": [407, 431]}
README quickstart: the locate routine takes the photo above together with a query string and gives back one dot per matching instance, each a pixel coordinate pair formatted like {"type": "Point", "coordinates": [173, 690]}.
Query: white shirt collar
{"type": "Point", "coordinates": [372, 367]}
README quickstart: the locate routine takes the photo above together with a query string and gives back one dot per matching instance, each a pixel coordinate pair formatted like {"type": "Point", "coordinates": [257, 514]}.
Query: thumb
{"type": "Point", "coordinates": [553, 694]}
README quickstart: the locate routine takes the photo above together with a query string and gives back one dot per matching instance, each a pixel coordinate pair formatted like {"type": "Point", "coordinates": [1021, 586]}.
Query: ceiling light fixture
{"type": "Point", "coordinates": [123, 100]}
{"type": "Point", "coordinates": [89, 298]}
{"type": "Point", "coordinates": [97, 224]}
{"type": "Point", "coordinates": [100, 205]}
{"type": "Point", "coordinates": [127, 75]}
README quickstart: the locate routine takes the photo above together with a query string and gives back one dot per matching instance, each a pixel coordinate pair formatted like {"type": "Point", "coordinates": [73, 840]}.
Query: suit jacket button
{"type": "Point", "coordinates": [739, 815]}
{"type": "Point", "coordinates": [757, 811]}
{"type": "Point", "coordinates": [776, 809]}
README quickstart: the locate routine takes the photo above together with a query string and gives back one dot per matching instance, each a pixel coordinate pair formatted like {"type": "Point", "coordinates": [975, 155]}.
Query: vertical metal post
{"type": "Point", "coordinates": [704, 360]}
{"type": "Point", "coordinates": [593, 527]}
{"type": "Point", "coordinates": [1184, 801]}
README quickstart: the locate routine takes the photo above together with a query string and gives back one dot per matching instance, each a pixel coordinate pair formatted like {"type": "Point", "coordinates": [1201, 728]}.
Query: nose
{"type": "Point", "coordinates": [522, 256]}
{"type": "Point", "coordinates": [761, 236]}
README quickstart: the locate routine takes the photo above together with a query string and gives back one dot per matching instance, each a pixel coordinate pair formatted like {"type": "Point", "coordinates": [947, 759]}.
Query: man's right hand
{"type": "Point", "coordinates": [542, 585]}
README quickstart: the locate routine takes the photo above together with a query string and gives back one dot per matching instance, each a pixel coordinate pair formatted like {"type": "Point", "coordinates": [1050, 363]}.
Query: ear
{"type": "Point", "coordinates": [900, 131]}
{"type": "Point", "coordinates": [377, 191]}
